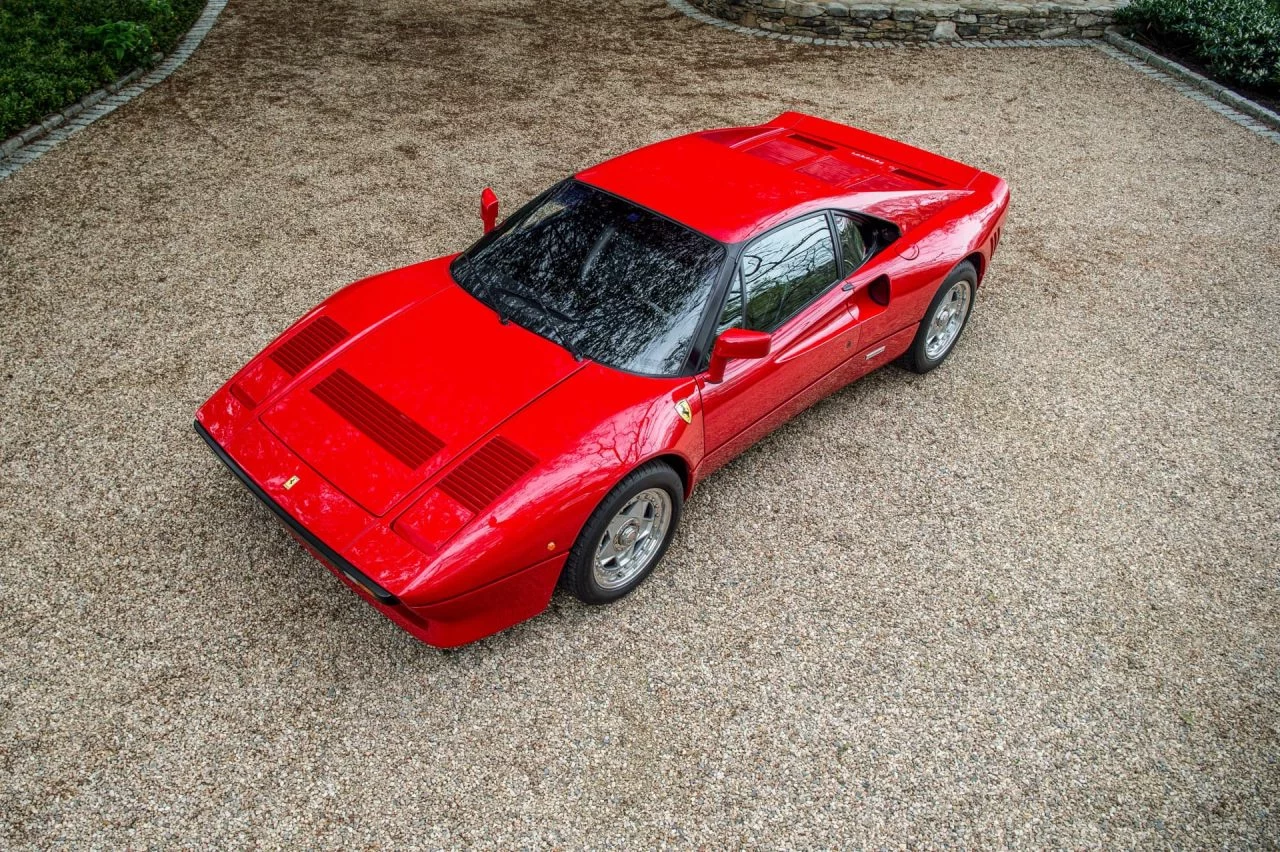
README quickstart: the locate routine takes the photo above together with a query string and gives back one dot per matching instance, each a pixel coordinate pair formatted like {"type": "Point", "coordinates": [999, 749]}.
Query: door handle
{"type": "Point", "coordinates": [848, 287]}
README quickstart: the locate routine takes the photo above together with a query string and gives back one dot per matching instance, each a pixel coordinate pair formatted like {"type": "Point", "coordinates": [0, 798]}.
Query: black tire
{"type": "Point", "coordinates": [917, 358]}
{"type": "Point", "coordinates": [579, 576]}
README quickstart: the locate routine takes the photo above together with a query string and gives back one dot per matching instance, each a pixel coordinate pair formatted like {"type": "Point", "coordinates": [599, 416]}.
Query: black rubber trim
{"type": "Point", "coordinates": [330, 555]}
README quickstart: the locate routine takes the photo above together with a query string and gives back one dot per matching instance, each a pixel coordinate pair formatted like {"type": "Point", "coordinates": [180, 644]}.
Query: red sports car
{"type": "Point", "coordinates": [455, 438]}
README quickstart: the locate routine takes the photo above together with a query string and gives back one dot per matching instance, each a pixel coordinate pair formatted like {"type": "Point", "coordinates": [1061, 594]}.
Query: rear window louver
{"type": "Point", "coordinates": [813, 143]}
{"type": "Point", "coordinates": [387, 426]}
{"type": "Point", "coordinates": [307, 346]}
{"type": "Point", "coordinates": [486, 474]}
{"type": "Point", "coordinates": [781, 151]}
{"type": "Point", "coordinates": [833, 171]}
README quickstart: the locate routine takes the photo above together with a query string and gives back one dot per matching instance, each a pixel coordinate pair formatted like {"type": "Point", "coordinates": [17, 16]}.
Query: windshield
{"type": "Point", "coordinates": [603, 278]}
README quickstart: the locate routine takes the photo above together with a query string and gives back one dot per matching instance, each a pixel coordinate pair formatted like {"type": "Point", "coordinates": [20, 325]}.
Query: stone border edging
{"type": "Point", "coordinates": [691, 11]}
{"type": "Point", "coordinates": [1199, 81]}
{"type": "Point", "coordinates": [40, 138]}
{"type": "Point", "coordinates": [1200, 89]}
{"type": "Point", "coordinates": [918, 20]}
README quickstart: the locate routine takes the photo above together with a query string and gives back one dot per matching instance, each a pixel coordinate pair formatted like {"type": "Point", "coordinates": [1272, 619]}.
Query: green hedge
{"type": "Point", "coordinates": [54, 52]}
{"type": "Point", "coordinates": [1237, 40]}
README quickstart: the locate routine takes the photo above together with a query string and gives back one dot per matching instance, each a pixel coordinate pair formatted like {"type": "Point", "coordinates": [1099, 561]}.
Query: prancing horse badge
{"type": "Point", "coordinates": [685, 412]}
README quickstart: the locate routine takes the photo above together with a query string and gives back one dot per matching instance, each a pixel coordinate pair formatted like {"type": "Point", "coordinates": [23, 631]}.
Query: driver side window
{"type": "Point", "coordinates": [785, 270]}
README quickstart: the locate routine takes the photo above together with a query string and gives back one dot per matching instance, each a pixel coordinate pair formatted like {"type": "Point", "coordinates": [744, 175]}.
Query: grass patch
{"type": "Point", "coordinates": [1238, 41]}
{"type": "Point", "coordinates": [54, 52]}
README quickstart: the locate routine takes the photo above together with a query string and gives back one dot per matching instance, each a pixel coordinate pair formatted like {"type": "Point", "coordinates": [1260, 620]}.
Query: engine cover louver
{"type": "Point", "coordinates": [308, 345]}
{"type": "Point", "coordinates": [833, 171]}
{"type": "Point", "coordinates": [386, 425]}
{"type": "Point", "coordinates": [486, 474]}
{"type": "Point", "coordinates": [781, 151]}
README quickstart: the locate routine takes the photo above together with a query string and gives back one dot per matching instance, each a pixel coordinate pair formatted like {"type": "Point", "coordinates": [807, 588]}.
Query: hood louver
{"type": "Point", "coordinates": [308, 345]}
{"type": "Point", "coordinates": [386, 425]}
{"type": "Point", "coordinates": [486, 474]}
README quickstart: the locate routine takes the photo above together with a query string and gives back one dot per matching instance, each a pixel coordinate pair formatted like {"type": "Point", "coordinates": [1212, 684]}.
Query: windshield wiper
{"type": "Point", "coordinates": [530, 299]}
{"type": "Point", "coordinates": [553, 316]}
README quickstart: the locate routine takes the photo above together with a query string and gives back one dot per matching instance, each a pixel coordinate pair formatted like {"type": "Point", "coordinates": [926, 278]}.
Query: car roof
{"type": "Point", "coordinates": [733, 183]}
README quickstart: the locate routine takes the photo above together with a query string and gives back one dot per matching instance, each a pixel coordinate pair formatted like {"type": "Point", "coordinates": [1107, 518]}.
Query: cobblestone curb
{"type": "Point", "coordinates": [919, 20]}
{"type": "Point", "coordinates": [1226, 103]}
{"type": "Point", "coordinates": [32, 143]}
{"type": "Point", "coordinates": [684, 7]}
{"type": "Point", "coordinates": [1190, 78]}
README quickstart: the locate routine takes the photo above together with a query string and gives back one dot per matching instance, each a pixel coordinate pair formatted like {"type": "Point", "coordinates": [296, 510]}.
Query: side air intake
{"type": "Point", "coordinates": [486, 474]}
{"type": "Point", "coordinates": [386, 425]}
{"type": "Point", "coordinates": [308, 345]}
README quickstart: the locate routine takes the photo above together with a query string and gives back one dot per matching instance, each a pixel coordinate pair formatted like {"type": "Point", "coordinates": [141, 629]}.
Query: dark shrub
{"type": "Point", "coordinates": [53, 52]}
{"type": "Point", "coordinates": [1237, 40]}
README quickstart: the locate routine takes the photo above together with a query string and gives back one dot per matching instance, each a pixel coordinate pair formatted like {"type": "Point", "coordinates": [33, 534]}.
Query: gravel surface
{"type": "Point", "coordinates": [1028, 599]}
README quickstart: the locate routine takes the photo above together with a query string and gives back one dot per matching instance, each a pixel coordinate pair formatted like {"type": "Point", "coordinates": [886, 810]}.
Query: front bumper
{"type": "Point", "coordinates": [327, 554]}
{"type": "Point", "coordinates": [445, 624]}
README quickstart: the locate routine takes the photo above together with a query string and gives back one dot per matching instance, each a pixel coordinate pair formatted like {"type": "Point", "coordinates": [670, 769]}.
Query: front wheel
{"type": "Point", "coordinates": [944, 321]}
{"type": "Point", "coordinates": [626, 535]}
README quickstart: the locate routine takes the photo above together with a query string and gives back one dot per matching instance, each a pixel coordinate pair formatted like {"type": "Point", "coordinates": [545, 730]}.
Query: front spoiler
{"type": "Point", "coordinates": [326, 552]}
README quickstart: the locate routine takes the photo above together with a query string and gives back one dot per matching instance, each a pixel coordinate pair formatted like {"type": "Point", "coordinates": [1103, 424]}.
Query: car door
{"type": "Point", "coordinates": [786, 285]}
{"type": "Point", "coordinates": [872, 299]}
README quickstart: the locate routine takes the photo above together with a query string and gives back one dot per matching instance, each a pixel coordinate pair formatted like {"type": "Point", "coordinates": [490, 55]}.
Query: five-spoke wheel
{"type": "Point", "coordinates": [944, 321]}
{"type": "Point", "coordinates": [632, 539]}
{"type": "Point", "coordinates": [948, 317]}
{"type": "Point", "coordinates": [626, 535]}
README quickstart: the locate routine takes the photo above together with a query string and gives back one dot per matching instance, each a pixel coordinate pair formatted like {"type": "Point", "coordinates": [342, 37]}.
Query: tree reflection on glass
{"type": "Point", "coordinates": [785, 269]}
{"type": "Point", "coordinates": [606, 279]}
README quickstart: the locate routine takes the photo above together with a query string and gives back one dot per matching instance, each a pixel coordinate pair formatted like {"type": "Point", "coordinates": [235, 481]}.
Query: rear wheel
{"type": "Point", "coordinates": [626, 535]}
{"type": "Point", "coordinates": [944, 321]}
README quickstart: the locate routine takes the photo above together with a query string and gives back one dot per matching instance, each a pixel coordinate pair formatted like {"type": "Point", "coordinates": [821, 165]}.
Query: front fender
{"type": "Point", "coordinates": [587, 434]}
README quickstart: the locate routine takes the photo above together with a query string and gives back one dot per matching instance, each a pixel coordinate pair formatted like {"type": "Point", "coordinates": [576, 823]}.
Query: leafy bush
{"type": "Point", "coordinates": [54, 52]}
{"type": "Point", "coordinates": [1237, 40]}
{"type": "Point", "coordinates": [120, 39]}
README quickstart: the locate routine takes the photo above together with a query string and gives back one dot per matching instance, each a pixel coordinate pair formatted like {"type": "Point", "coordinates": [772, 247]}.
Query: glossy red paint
{"type": "Point", "coordinates": [736, 343]}
{"type": "Point", "coordinates": [442, 463]}
{"type": "Point", "coordinates": [488, 209]}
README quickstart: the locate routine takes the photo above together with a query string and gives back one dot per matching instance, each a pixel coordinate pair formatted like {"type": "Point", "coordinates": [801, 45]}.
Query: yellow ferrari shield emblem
{"type": "Point", "coordinates": [290, 482]}
{"type": "Point", "coordinates": [685, 412]}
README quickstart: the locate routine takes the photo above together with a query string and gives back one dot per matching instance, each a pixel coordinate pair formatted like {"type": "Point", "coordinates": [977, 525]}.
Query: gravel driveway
{"type": "Point", "coordinates": [1029, 599]}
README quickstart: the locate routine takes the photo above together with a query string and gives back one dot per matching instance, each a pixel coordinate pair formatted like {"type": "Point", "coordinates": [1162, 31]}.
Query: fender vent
{"type": "Point", "coordinates": [305, 347]}
{"type": "Point", "coordinates": [386, 425]}
{"type": "Point", "coordinates": [486, 474]}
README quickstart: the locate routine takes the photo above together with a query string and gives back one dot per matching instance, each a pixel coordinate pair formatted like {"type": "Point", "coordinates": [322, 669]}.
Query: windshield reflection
{"type": "Point", "coordinates": [603, 278]}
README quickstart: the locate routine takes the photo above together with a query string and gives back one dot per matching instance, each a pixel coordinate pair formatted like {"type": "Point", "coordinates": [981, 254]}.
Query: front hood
{"type": "Point", "coordinates": [400, 400]}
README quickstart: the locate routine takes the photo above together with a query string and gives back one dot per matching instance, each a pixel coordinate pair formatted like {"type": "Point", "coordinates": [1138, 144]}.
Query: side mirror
{"type": "Point", "coordinates": [736, 343]}
{"type": "Point", "coordinates": [489, 209]}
